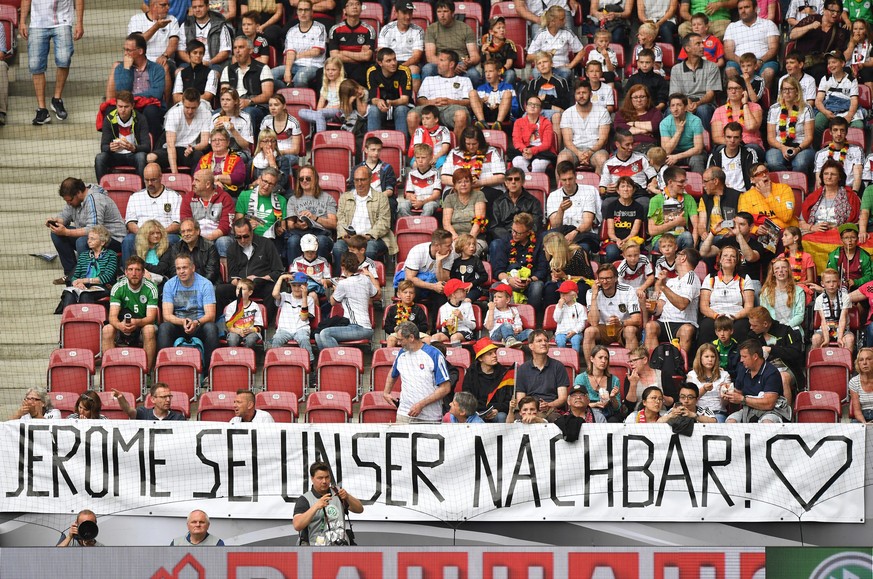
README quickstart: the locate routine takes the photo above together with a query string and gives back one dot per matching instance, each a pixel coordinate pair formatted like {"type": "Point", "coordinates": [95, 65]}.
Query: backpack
{"type": "Point", "coordinates": [193, 343]}
{"type": "Point", "coordinates": [668, 359]}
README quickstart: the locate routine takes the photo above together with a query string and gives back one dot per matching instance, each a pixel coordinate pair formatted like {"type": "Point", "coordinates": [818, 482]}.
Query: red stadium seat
{"type": "Point", "coordinates": [793, 179]}
{"type": "Point", "coordinates": [120, 198]}
{"type": "Point", "coordinates": [549, 323]}
{"type": "Point", "coordinates": [216, 406]}
{"type": "Point", "coordinates": [110, 407]}
{"type": "Point", "coordinates": [9, 21]}
{"type": "Point", "coordinates": [510, 357]}
{"type": "Point", "coordinates": [297, 99]}
{"type": "Point", "coordinates": [70, 370]}
{"type": "Point", "coordinates": [231, 369]}
{"type": "Point", "coordinates": [516, 26]}
{"type": "Point", "coordinates": [341, 369]}
{"type": "Point", "coordinates": [371, 13]}
{"type": "Point", "coordinates": [376, 410]}
{"type": "Point", "coordinates": [328, 407]}
{"type": "Point", "coordinates": [64, 401]}
{"type": "Point", "coordinates": [82, 327]}
{"type": "Point", "coordinates": [829, 369]}
{"type": "Point", "coordinates": [413, 230]}
{"type": "Point", "coordinates": [619, 363]}
{"type": "Point", "coordinates": [121, 182]}
{"type": "Point", "coordinates": [332, 184]}
{"type": "Point", "coordinates": [817, 406]}
{"type": "Point", "coordinates": [694, 184]}
{"type": "Point", "coordinates": [124, 369]}
{"type": "Point", "coordinates": [472, 13]}
{"type": "Point", "coordinates": [282, 406]}
{"type": "Point", "coordinates": [393, 148]}
{"type": "Point", "coordinates": [180, 368]}
{"type": "Point", "coordinates": [588, 178]}
{"type": "Point", "coordinates": [179, 403]}
{"type": "Point", "coordinates": [286, 370]}
{"type": "Point", "coordinates": [569, 358]}
{"type": "Point", "coordinates": [864, 96]}
{"type": "Point", "coordinates": [497, 139]}
{"type": "Point", "coordinates": [380, 369]}
{"type": "Point", "coordinates": [854, 320]}
{"type": "Point", "coordinates": [334, 151]}
{"type": "Point", "coordinates": [461, 359]}
{"type": "Point", "coordinates": [528, 314]}
{"type": "Point", "coordinates": [179, 182]}
{"type": "Point", "coordinates": [537, 184]}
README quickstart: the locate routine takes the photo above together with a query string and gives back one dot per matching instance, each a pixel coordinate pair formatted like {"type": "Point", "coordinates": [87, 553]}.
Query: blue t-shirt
{"type": "Point", "coordinates": [767, 380]}
{"type": "Point", "coordinates": [188, 302]}
{"type": "Point", "coordinates": [693, 127]}
{"type": "Point", "coordinates": [473, 419]}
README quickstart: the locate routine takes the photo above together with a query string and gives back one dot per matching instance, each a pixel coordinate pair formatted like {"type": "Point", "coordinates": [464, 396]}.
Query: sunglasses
{"type": "Point", "coordinates": [511, 179]}
{"type": "Point", "coordinates": [246, 236]}
{"type": "Point", "coordinates": [305, 179]}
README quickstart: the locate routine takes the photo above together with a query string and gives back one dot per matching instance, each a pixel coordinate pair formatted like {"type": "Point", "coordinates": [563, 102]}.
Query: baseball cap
{"type": "Point", "coordinates": [502, 287]}
{"type": "Point", "coordinates": [568, 286]}
{"type": "Point", "coordinates": [300, 277]}
{"type": "Point", "coordinates": [404, 5]}
{"type": "Point", "coordinates": [454, 285]}
{"type": "Point", "coordinates": [578, 389]}
{"type": "Point", "coordinates": [847, 227]}
{"type": "Point", "coordinates": [483, 346]}
{"type": "Point", "coordinates": [308, 243]}
{"type": "Point", "coordinates": [838, 54]}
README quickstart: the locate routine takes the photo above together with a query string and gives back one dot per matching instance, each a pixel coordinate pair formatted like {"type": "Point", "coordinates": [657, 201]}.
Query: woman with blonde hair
{"type": "Point", "coordinates": [267, 155]}
{"type": "Point", "coordinates": [566, 261]}
{"type": "Point", "coordinates": [861, 387]}
{"type": "Point", "coordinates": [329, 98]}
{"type": "Point", "coordinates": [790, 129]}
{"type": "Point", "coordinates": [707, 375]}
{"type": "Point", "coordinates": [151, 243]}
{"type": "Point", "coordinates": [781, 296]}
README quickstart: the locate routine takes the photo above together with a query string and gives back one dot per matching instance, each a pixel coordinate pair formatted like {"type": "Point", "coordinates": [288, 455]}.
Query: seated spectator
{"type": "Point", "coordinates": [124, 138]}
{"type": "Point", "coordinates": [188, 309]}
{"type": "Point", "coordinates": [625, 164]}
{"type": "Point", "coordinates": [837, 96]}
{"type": "Point", "coordinates": [734, 159]}
{"type": "Point", "coordinates": [244, 409]}
{"type": "Point", "coordinates": [819, 33]}
{"type": "Point", "coordinates": [574, 209]}
{"type": "Point", "coordinates": [522, 252]}
{"type": "Point", "coordinates": [657, 88]}
{"type": "Point", "coordinates": [699, 89]}
{"type": "Point", "coordinates": [755, 35]}
{"type": "Point", "coordinates": [636, 271]}
{"type": "Point", "coordinates": [382, 174]}
{"type": "Point", "coordinates": [433, 134]}
{"type": "Point", "coordinates": [569, 316]}
{"type": "Point", "coordinates": [646, 35]}
{"type": "Point", "coordinates": [528, 411]}
{"type": "Point", "coordinates": [516, 200]}
{"type": "Point", "coordinates": [309, 211]}
{"type": "Point", "coordinates": [228, 168]}
{"type": "Point", "coordinates": [566, 261]}
{"type": "Point", "coordinates": [602, 388]}
{"type": "Point", "coordinates": [155, 202]}
{"type": "Point", "coordinates": [251, 29]}
{"type": "Point", "coordinates": [289, 136]}
{"type": "Point", "coordinates": [267, 157]}
{"type": "Point", "coordinates": [151, 81]}
{"type": "Point", "coordinates": [187, 129]}
{"type": "Point", "coordinates": [585, 130]}
{"type": "Point", "coordinates": [674, 211]}
{"type": "Point", "coordinates": [601, 91]}
{"type": "Point", "coordinates": [352, 114]}
{"type": "Point", "coordinates": [555, 38]}
{"type": "Point", "coordinates": [494, 101]}
{"type": "Point", "coordinates": [663, 14]}
{"type": "Point", "coordinates": [794, 62]}
{"type": "Point", "coordinates": [487, 382]}
{"type": "Point", "coordinates": [639, 116]}
{"type": "Point", "coordinates": [614, 314]}
{"type": "Point", "coordinates": [833, 306]}
{"type": "Point", "coordinates": [423, 191]}
{"type": "Point", "coordinates": [503, 321]}
{"type": "Point", "coordinates": [840, 150]}
{"type": "Point", "coordinates": [533, 139]}
{"type": "Point", "coordinates": [328, 106]}
{"type": "Point", "coordinates": [462, 410]}
{"type": "Point", "coordinates": [688, 408]}
{"type": "Point", "coordinates": [454, 35]}
{"type": "Point", "coordinates": [464, 209]}
{"type": "Point", "coordinates": [497, 47]}
{"type": "Point", "coordinates": [212, 208]}
{"type": "Point", "coordinates": [95, 271]}
{"type": "Point", "coordinates": [316, 268]}
{"type": "Point", "coordinates": [263, 206]}
{"type": "Point", "coordinates": [782, 297]}
{"type": "Point", "coordinates": [640, 378]}
{"type": "Point", "coordinates": [790, 129]}
{"type": "Point", "coordinates": [151, 244]}
{"type": "Point", "coordinates": [652, 410]}
{"type": "Point", "coordinates": [726, 294]}
{"type": "Point", "coordinates": [542, 377]}
{"type": "Point", "coordinates": [237, 123]}
{"type": "Point", "coordinates": [447, 91]}
{"type": "Point", "coordinates": [832, 203]}
{"type": "Point", "coordinates": [800, 9]}
{"type": "Point", "coordinates": [305, 49]}
{"type": "Point", "coordinates": [161, 31]}
{"type": "Point", "coordinates": [604, 56]}
{"type": "Point", "coordinates": [678, 304]}
{"type": "Point", "coordinates": [354, 291]}
{"type": "Point", "coordinates": [405, 39]}
{"type": "Point", "coordinates": [484, 162]}
{"type": "Point", "coordinates": [256, 81]}
{"type": "Point", "coordinates": [405, 310]}
{"type": "Point", "coordinates": [718, 203]}
{"type": "Point", "coordinates": [161, 396]}
{"type": "Point", "coordinates": [468, 267]}
{"type": "Point", "coordinates": [85, 207]}
{"type": "Point", "coordinates": [37, 405]}
{"type": "Point", "coordinates": [858, 52]}
{"type": "Point", "coordinates": [296, 306]}
{"type": "Point", "coordinates": [353, 42]}
{"type": "Point", "coordinates": [758, 389]}
{"type": "Point", "coordinates": [783, 347]}
{"type": "Point", "coordinates": [268, 14]}
{"type": "Point", "coordinates": [682, 135]}
{"type": "Point", "coordinates": [752, 83]}
{"type": "Point", "coordinates": [860, 387]}
{"type": "Point", "coordinates": [753, 258]}
{"type": "Point", "coordinates": [370, 217]}
{"type": "Point", "coordinates": [852, 262]}
{"type": "Point", "coordinates": [202, 252]}
{"type": "Point", "coordinates": [88, 407]}
{"type": "Point", "coordinates": [210, 28]}
{"type": "Point", "coordinates": [708, 380]}
{"type": "Point", "coordinates": [775, 201]}
{"type": "Point", "coordinates": [133, 311]}
{"type": "Point", "coordinates": [553, 91]}
{"type": "Point", "coordinates": [740, 109]}
{"type": "Point", "coordinates": [713, 48]}
{"type": "Point", "coordinates": [245, 325]}
{"type": "Point", "coordinates": [390, 87]}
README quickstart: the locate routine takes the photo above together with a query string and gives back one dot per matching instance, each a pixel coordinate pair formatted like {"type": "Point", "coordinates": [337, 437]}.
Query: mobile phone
{"type": "Point", "coordinates": [53, 222]}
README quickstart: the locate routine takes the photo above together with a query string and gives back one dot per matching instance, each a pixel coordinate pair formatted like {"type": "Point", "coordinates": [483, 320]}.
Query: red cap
{"type": "Point", "coordinates": [568, 286]}
{"type": "Point", "coordinates": [454, 285]}
{"type": "Point", "coordinates": [483, 346]}
{"type": "Point", "coordinates": [502, 287]}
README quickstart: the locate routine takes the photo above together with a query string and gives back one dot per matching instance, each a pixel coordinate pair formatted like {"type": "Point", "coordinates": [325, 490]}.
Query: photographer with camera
{"type": "Point", "coordinates": [319, 513]}
{"type": "Point", "coordinates": [83, 533]}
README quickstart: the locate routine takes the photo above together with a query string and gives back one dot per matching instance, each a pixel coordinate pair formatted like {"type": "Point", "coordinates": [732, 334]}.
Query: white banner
{"type": "Point", "coordinates": [723, 473]}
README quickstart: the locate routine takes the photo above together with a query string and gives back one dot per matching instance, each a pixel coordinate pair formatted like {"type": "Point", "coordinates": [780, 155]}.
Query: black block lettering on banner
{"type": "Point", "coordinates": [676, 447]}
{"type": "Point", "coordinates": [21, 439]}
{"type": "Point", "coordinates": [58, 460]}
{"type": "Point", "coordinates": [708, 468]}
{"type": "Point", "coordinates": [480, 458]}
{"type": "Point", "coordinates": [417, 473]}
{"type": "Point", "coordinates": [103, 447]}
{"type": "Point", "coordinates": [644, 468]}
{"type": "Point", "coordinates": [232, 465]}
{"type": "Point", "coordinates": [31, 459]}
{"type": "Point", "coordinates": [524, 450]}
{"type": "Point", "coordinates": [390, 467]}
{"type": "Point", "coordinates": [368, 464]}
{"type": "Point", "coordinates": [125, 446]}
{"type": "Point", "coordinates": [283, 466]}
{"type": "Point", "coordinates": [216, 468]}
{"type": "Point", "coordinates": [155, 462]}
{"type": "Point", "coordinates": [592, 472]}
{"type": "Point", "coordinates": [553, 473]}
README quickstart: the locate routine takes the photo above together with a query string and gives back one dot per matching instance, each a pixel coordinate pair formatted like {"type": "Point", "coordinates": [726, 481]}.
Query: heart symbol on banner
{"type": "Point", "coordinates": [846, 444]}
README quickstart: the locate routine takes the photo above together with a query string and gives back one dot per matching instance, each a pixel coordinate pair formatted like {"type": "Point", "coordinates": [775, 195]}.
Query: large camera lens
{"type": "Point", "coordinates": [88, 530]}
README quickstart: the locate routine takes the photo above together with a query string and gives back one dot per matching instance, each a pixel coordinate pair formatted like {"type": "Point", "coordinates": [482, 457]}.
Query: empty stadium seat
{"type": "Point", "coordinates": [497, 139]}
{"type": "Point", "coordinates": [588, 178]}
{"type": "Point", "coordinates": [179, 182]}
{"type": "Point", "coordinates": [537, 184]}
{"type": "Point", "coordinates": [124, 369]}
{"type": "Point", "coordinates": [179, 403]}
{"type": "Point", "coordinates": [334, 151]}
{"type": "Point", "coordinates": [180, 368]}
{"type": "Point", "coordinates": [216, 406]}
{"type": "Point", "coordinates": [82, 327]}
{"type": "Point", "coordinates": [286, 370]}
{"type": "Point", "coordinates": [510, 357]}
{"type": "Point", "coordinates": [70, 370]}
{"type": "Point", "coordinates": [121, 182]}
{"type": "Point", "coordinates": [380, 369]}
{"type": "Point", "coordinates": [332, 184]}
{"type": "Point", "coordinates": [694, 184]}
{"type": "Point", "coordinates": [282, 406]}
{"type": "Point", "coordinates": [569, 358]}
{"type": "Point", "coordinates": [341, 369]}
{"type": "Point", "coordinates": [619, 363]}
{"type": "Point", "coordinates": [260, 342]}
{"type": "Point", "coordinates": [828, 369]}
{"type": "Point", "coordinates": [231, 369]}
{"type": "Point", "coordinates": [328, 407]}
{"type": "Point", "coordinates": [64, 401]}
{"type": "Point", "coordinates": [372, 14]}
{"type": "Point", "coordinates": [817, 406]}
{"type": "Point", "coordinates": [461, 359]}
{"type": "Point", "coordinates": [376, 410]}
{"type": "Point", "coordinates": [111, 408]}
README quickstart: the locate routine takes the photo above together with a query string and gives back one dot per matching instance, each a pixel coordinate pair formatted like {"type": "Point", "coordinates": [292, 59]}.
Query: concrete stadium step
{"type": "Point", "coordinates": [41, 328]}
{"type": "Point", "coordinates": [49, 175]}
{"type": "Point", "coordinates": [79, 126]}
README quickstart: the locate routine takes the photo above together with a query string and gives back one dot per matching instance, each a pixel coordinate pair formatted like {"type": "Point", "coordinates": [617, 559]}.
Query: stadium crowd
{"type": "Point", "coordinates": [633, 202]}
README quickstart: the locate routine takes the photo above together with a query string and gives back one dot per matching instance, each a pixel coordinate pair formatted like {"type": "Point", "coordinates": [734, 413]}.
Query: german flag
{"type": "Point", "coordinates": [507, 382]}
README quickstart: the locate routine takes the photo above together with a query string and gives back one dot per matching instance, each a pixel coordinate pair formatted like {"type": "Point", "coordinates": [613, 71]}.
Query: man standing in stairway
{"type": "Point", "coordinates": [63, 22]}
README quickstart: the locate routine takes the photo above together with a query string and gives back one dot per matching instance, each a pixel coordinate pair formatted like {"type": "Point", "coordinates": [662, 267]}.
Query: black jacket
{"type": "Point", "coordinates": [729, 202]}
{"type": "Point", "coordinates": [480, 385]}
{"type": "Point", "coordinates": [748, 157]}
{"type": "Point", "coordinates": [658, 86]}
{"type": "Point", "coordinates": [251, 79]}
{"type": "Point", "coordinates": [205, 258]}
{"type": "Point", "coordinates": [504, 211]}
{"type": "Point", "coordinates": [788, 347]}
{"type": "Point", "coordinates": [140, 129]}
{"type": "Point", "coordinates": [265, 260]}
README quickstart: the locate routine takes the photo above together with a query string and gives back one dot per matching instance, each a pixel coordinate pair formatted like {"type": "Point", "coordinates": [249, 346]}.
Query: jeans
{"type": "Point", "coordinates": [505, 331]}
{"type": "Point", "coordinates": [282, 337]}
{"type": "Point", "coordinates": [330, 337]}
{"type": "Point", "coordinates": [222, 244]}
{"type": "Point", "coordinates": [38, 44]}
{"type": "Point", "coordinates": [376, 118]}
{"type": "Point", "coordinates": [613, 253]}
{"type": "Point", "coordinates": [669, 33]}
{"type": "Point", "coordinates": [704, 112]}
{"type": "Point", "coordinates": [301, 76]}
{"type": "Point", "coordinates": [250, 341]}
{"type": "Point", "coordinates": [292, 244]}
{"type": "Point", "coordinates": [404, 208]}
{"type": "Point", "coordinates": [376, 248]}
{"type": "Point", "coordinates": [575, 341]}
{"type": "Point", "coordinates": [473, 73]}
{"type": "Point", "coordinates": [103, 162]}
{"type": "Point", "coordinates": [320, 118]}
{"type": "Point", "coordinates": [68, 247]}
{"type": "Point", "coordinates": [128, 245]}
{"type": "Point", "coordinates": [802, 162]}
{"type": "Point", "coordinates": [208, 333]}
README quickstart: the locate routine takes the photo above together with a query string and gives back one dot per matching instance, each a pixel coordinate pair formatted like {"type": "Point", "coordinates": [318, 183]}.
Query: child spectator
{"type": "Point", "coordinates": [260, 48]}
{"type": "Point", "coordinates": [794, 63]}
{"type": "Point", "coordinates": [502, 320]}
{"type": "Point", "coordinates": [468, 267]}
{"type": "Point", "coordinates": [528, 411]}
{"type": "Point", "coordinates": [570, 316]}
{"type": "Point", "coordinates": [657, 157]}
{"type": "Point", "coordinates": [243, 317]}
{"type": "Point", "coordinates": [382, 174]}
{"type": "Point", "coordinates": [328, 106]}
{"type": "Point", "coordinates": [495, 46]}
{"type": "Point", "coordinates": [533, 139]}
{"type": "Point", "coordinates": [456, 321]}
{"type": "Point", "coordinates": [646, 36]}
{"type": "Point", "coordinates": [601, 91]}
{"type": "Point", "coordinates": [713, 49]}
{"type": "Point", "coordinates": [667, 261]}
{"type": "Point", "coordinates": [832, 306]}
{"type": "Point", "coordinates": [358, 245]}
{"type": "Point", "coordinates": [296, 309]}
{"type": "Point", "coordinates": [494, 104]}
{"type": "Point", "coordinates": [659, 87]}
{"type": "Point", "coordinates": [423, 192]}
{"type": "Point", "coordinates": [316, 268]}
{"type": "Point", "coordinates": [432, 133]}
{"type": "Point", "coordinates": [405, 310]}
{"type": "Point", "coordinates": [624, 219]}
{"type": "Point", "coordinates": [636, 270]}
{"type": "Point", "coordinates": [749, 77]}
{"type": "Point", "coordinates": [606, 56]}
{"type": "Point", "coordinates": [725, 344]}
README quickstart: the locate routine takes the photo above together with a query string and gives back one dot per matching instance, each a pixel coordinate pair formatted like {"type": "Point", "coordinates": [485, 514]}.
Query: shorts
{"type": "Point", "coordinates": [573, 156]}
{"type": "Point", "coordinates": [133, 340]}
{"type": "Point", "coordinates": [38, 48]}
{"type": "Point", "coordinates": [670, 330]}
{"type": "Point", "coordinates": [605, 338]}
{"type": "Point", "coordinates": [743, 416]}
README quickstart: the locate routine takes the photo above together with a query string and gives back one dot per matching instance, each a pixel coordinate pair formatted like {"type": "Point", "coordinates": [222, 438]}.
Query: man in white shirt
{"type": "Point", "coordinates": [210, 28]}
{"type": "Point", "coordinates": [573, 209]}
{"type": "Point", "coordinates": [187, 127]}
{"type": "Point", "coordinates": [614, 314]}
{"type": "Point", "coordinates": [840, 150]}
{"type": "Point", "coordinates": [428, 264]}
{"type": "Point", "coordinates": [678, 304]}
{"type": "Point", "coordinates": [305, 48]}
{"type": "Point", "coordinates": [162, 32]}
{"type": "Point", "coordinates": [585, 130]}
{"type": "Point", "coordinates": [245, 411]}
{"type": "Point", "coordinates": [154, 202]}
{"type": "Point", "coordinates": [751, 34]}
{"type": "Point", "coordinates": [448, 92]}
{"type": "Point", "coordinates": [405, 39]}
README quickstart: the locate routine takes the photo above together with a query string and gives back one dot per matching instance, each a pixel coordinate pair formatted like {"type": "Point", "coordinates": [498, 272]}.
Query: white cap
{"type": "Point", "coordinates": [308, 243]}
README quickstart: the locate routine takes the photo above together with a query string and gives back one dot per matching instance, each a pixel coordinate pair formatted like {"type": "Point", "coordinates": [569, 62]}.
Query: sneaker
{"type": "Point", "coordinates": [59, 110]}
{"type": "Point", "coordinates": [61, 281]}
{"type": "Point", "coordinates": [42, 117]}
{"type": "Point", "coordinates": [2, 119]}
{"type": "Point", "coordinates": [512, 342]}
